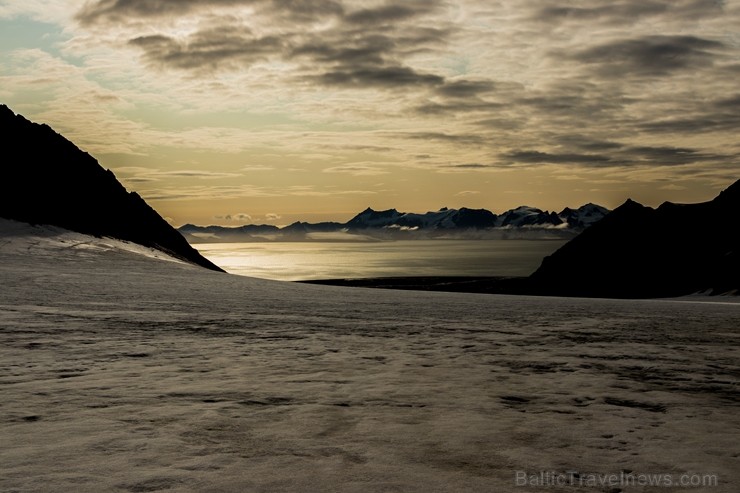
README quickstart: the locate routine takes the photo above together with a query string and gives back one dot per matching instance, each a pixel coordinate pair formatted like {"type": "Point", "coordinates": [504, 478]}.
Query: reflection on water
{"type": "Point", "coordinates": [293, 261]}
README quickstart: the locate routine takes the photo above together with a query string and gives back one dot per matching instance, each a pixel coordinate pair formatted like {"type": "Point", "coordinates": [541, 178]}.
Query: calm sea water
{"type": "Point", "coordinates": [293, 261]}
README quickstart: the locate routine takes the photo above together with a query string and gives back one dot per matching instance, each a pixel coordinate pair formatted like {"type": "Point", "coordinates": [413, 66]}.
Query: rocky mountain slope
{"type": "Point", "coordinates": [46, 179]}
{"type": "Point", "coordinates": [638, 251]}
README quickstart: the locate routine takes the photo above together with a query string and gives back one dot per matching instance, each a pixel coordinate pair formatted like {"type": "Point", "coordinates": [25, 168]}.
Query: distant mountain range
{"type": "Point", "coordinates": [522, 221]}
{"type": "Point", "coordinates": [46, 179]}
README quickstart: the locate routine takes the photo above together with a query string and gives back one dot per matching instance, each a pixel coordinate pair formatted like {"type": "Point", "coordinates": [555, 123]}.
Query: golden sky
{"type": "Point", "coordinates": [270, 111]}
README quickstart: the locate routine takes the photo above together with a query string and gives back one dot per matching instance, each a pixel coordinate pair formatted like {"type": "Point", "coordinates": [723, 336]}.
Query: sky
{"type": "Point", "coordinates": [270, 111]}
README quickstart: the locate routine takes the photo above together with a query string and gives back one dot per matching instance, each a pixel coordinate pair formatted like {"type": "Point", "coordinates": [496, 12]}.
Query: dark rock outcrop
{"type": "Point", "coordinates": [641, 252]}
{"type": "Point", "coordinates": [46, 179]}
{"type": "Point", "coordinates": [370, 218]}
{"type": "Point", "coordinates": [466, 218]}
{"type": "Point", "coordinates": [303, 228]}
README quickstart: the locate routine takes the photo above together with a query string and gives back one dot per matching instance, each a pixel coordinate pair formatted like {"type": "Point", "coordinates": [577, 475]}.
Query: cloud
{"type": "Point", "coordinates": [469, 166]}
{"type": "Point", "coordinates": [206, 193]}
{"type": "Point", "coordinates": [718, 115]}
{"type": "Point", "coordinates": [210, 50]}
{"type": "Point", "coordinates": [270, 216]}
{"type": "Point", "coordinates": [656, 55]}
{"type": "Point", "coordinates": [238, 217]}
{"type": "Point", "coordinates": [459, 139]}
{"type": "Point", "coordinates": [331, 44]}
{"type": "Point", "coordinates": [187, 173]}
{"type": "Point", "coordinates": [467, 193]}
{"type": "Point", "coordinates": [576, 99]}
{"type": "Point", "coordinates": [347, 56]}
{"type": "Point", "coordinates": [709, 123]}
{"type": "Point", "coordinates": [257, 167]}
{"type": "Point", "coordinates": [669, 156]}
{"type": "Point", "coordinates": [613, 13]}
{"type": "Point", "coordinates": [588, 144]}
{"type": "Point", "coordinates": [361, 147]}
{"type": "Point", "coordinates": [622, 156]}
{"type": "Point", "coordinates": [312, 191]}
{"type": "Point", "coordinates": [627, 12]}
{"type": "Point", "coordinates": [391, 13]}
{"type": "Point", "coordinates": [539, 157]}
{"type": "Point", "coordinates": [140, 174]}
{"type": "Point", "coordinates": [391, 77]}
{"type": "Point", "coordinates": [732, 102]}
{"type": "Point", "coordinates": [362, 47]}
{"type": "Point", "coordinates": [116, 11]}
{"type": "Point", "coordinates": [357, 169]}
{"type": "Point", "coordinates": [466, 88]}
{"type": "Point", "coordinates": [111, 11]}
{"type": "Point", "coordinates": [672, 186]}
{"type": "Point", "coordinates": [435, 108]}
{"type": "Point", "coordinates": [463, 95]}
{"type": "Point", "coordinates": [39, 10]}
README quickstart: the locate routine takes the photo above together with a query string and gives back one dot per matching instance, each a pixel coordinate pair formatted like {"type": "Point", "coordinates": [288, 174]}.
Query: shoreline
{"type": "Point", "coordinates": [454, 284]}
{"type": "Point", "coordinates": [509, 285]}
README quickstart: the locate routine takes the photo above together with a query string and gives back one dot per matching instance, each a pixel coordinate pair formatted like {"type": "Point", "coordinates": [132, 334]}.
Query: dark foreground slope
{"type": "Point", "coordinates": [638, 252]}
{"type": "Point", "coordinates": [45, 179]}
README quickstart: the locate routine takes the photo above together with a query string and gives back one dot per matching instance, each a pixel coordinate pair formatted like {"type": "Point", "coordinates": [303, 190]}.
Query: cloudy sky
{"type": "Point", "coordinates": [232, 111]}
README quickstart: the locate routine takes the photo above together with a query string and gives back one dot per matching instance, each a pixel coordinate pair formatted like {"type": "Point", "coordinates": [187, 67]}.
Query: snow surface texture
{"type": "Point", "coordinates": [123, 372]}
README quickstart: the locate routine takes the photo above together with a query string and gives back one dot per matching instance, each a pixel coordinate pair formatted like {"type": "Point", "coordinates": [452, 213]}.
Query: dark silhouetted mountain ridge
{"type": "Point", "coordinates": [46, 179]}
{"type": "Point", "coordinates": [639, 252]}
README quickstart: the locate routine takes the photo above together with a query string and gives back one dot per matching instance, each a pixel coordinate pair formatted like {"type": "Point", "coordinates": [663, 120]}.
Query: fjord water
{"type": "Point", "coordinates": [293, 261]}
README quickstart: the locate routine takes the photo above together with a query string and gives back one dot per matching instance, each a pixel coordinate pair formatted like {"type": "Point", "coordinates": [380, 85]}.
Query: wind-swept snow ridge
{"type": "Point", "coordinates": [62, 244]}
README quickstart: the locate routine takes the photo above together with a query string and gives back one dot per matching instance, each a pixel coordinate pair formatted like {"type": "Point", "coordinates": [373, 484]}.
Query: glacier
{"type": "Point", "coordinates": [126, 370]}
